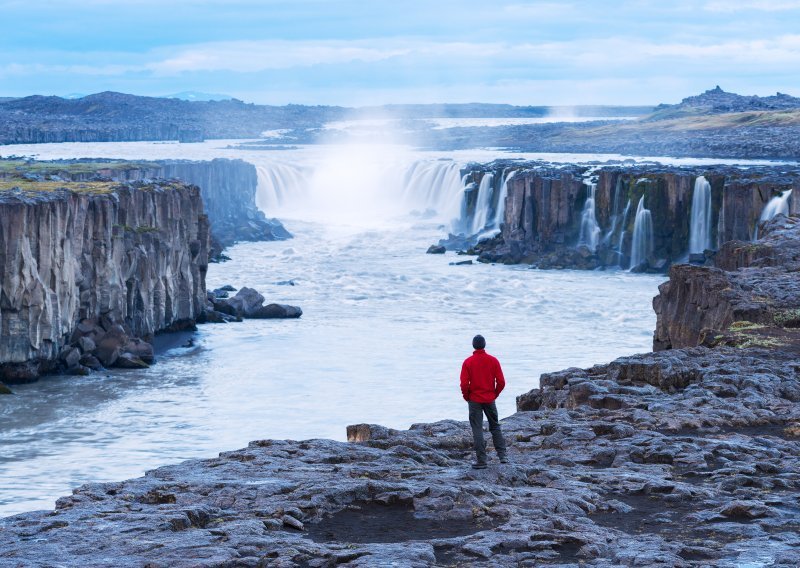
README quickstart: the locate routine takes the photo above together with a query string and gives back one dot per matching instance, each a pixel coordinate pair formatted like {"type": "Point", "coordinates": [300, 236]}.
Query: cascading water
{"type": "Point", "coordinates": [642, 247]}
{"type": "Point", "coordinates": [615, 213]}
{"type": "Point", "coordinates": [623, 231]}
{"type": "Point", "coordinates": [500, 211]}
{"type": "Point", "coordinates": [275, 183]}
{"type": "Point", "coordinates": [438, 186]}
{"type": "Point", "coordinates": [338, 188]}
{"type": "Point", "coordinates": [778, 205]}
{"type": "Point", "coordinates": [700, 223]}
{"type": "Point", "coordinates": [483, 203]}
{"type": "Point", "coordinates": [590, 229]}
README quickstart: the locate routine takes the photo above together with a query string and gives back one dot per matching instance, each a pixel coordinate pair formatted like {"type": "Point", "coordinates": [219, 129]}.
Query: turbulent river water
{"type": "Point", "coordinates": [384, 331]}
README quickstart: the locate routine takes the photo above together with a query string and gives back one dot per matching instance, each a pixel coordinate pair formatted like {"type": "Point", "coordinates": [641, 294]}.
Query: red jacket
{"type": "Point", "coordinates": [482, 378]}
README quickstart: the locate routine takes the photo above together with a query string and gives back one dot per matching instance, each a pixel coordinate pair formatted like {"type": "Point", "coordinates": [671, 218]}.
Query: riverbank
{"type": "Point", "coordinates": [682, 457]}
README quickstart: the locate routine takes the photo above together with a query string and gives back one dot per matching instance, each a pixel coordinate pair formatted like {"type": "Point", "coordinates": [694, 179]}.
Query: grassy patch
{"type": "Point", "coordinates": [743, 326]}
{"type": "Point", "coordinates": [760, 341]}
{"type": "Point", "coordinates": [29, 186]}
{"type": "Point", "coordinates": [68, 167]}
{"type": "Point", "coordinates": [787, 318]}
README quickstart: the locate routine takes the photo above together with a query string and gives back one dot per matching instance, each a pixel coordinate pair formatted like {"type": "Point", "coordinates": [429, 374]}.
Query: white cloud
{"type": "Point", "coordinates": [249, 56]}
{"type": "Point", "coordinates": [757, 5]}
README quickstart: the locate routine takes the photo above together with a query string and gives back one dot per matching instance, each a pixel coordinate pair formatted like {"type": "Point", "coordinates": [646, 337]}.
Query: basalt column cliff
{"type": "Point", "coordinates": [86, 269]}
{"type": "Point", "coordinates": [642, 218]}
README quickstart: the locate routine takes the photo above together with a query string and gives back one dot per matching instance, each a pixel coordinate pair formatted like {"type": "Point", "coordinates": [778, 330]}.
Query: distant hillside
{"type": "Point", "coordinates": [717, 101]}
{"type": "Point", "coordinates": [109, 117]}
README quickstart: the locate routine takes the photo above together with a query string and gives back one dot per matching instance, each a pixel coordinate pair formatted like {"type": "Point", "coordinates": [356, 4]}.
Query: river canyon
{"type": "Point", "coordinates": [384, 322]}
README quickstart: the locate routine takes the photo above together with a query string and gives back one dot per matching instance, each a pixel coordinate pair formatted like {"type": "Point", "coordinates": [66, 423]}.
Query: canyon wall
{"type": "Point", "coordinates": [228, 189]}
{"type": "Point", "coordinates": [546, 215]}
{"type": "Point", "coordinates": [95, 254]}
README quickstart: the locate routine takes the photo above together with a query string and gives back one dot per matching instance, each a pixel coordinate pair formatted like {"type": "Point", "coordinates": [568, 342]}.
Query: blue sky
{"type": "Point", "coordinates": [353, 53]}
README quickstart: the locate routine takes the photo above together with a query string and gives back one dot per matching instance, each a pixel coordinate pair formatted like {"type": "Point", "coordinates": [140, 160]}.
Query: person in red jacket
{"type": "Point", "coordinates": [482, 382]}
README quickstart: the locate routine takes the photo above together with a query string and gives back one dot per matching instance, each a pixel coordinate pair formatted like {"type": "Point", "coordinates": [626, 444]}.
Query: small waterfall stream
{"type": "Point", "coordinates": [778, 205]}
{"type": "Point", "coordinates": [590, 229]}
{"type": "Point", "coordinates": [484, 202]}
{"type": "Point", "coordinates": [642, 247]}
{"type": "Point", "coordinates": [500, 210]}
{"type": "Point", "coordinates": [700, 222]}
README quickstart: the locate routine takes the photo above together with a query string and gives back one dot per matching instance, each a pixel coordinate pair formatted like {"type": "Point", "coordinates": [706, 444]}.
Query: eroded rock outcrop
{"type": "Point", "coordinates": [757, 288]}
{"type": "Point", "coordinates": [87, 268]}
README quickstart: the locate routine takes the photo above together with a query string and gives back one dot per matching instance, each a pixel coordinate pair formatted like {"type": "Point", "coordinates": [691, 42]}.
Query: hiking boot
{"type": "Point", "coordinates": [503, 459]}
{"type": "Point", "coordinates": [479, 465]}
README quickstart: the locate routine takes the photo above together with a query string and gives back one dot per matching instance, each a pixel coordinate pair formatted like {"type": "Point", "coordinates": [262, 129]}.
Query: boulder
{"type": "Point", "coordinates": [87, 344]}
{"type": "Point", "coordinates": [72, 358]}
{"type": "Point", "coordinates": [5, 390]}
{"type": "Point", "coordinates": [245, 303]}
{"type": "Point", "coordinates": [277, 311]}
{"type": "Point", "coordinates": [80, 371]}
{"type": "Point", "coordinates": [128, 360]}
{"type": "Point", "coordinates": [140, 349]}
{"type": "Point", "coordinates": [19, 373]}
{"type": "Point", "coordinates": [91, 362]}
{"type": "Point", "coordinates": [436, 249]}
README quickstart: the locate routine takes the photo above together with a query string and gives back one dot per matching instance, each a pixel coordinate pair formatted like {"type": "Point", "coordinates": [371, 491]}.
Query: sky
{"type": "Point", "coordinates": [365, 52]}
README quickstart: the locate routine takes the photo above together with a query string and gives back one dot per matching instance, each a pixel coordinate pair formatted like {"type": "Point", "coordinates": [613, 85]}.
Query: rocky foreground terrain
{"type": "Point", "coordinates": [683, 457]}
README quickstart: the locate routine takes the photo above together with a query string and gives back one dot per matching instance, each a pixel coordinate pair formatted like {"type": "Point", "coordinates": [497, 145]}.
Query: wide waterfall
{"type": "Point", "coordinates": [356, 194]}
{"type": "Point", "coordinates": [642, 247]}
{"type": "Point", "coordinates": [700, 223]}
{"type": "Point", "coordinates": [483, 203]}
{"type": "Point", "coordinates": [590, 229]}
{"type": "Point", "coordinates": [778, 205]}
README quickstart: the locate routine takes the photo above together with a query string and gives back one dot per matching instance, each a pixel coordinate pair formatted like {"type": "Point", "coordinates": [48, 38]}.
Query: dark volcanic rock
{"type": "Point", "coordinates": [544, 209]}
{"type": "Point", "coordinates": [436, 249]}
{"type": "Point", "coordinates": [98, 264]}
{"type": "Point", "coordinates": [686, 457]}
{"type": "Point", "coordinates": [277, 311]}
{"type": "Point", "coordinates": [705, 305]}
{"type": "Point", "coordinates": [249, 303]}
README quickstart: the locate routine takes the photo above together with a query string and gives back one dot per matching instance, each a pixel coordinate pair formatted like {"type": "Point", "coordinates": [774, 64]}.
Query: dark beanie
{"type": "Point", "coordinates": [478, 342]}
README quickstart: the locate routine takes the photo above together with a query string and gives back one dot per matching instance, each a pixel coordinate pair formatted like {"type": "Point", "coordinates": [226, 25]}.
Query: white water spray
{"type": "Point", "coordinates": [642, 247]}
{"type": "Point", "coordinates": [700, 222]}
{"type": "Point", "coordinates": [362, 187]}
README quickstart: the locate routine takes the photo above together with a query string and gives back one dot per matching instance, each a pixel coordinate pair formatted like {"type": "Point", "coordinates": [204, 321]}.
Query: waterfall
{"type": "Point", "coordinates": [700, 223]}
{"type": "Point", "coordinates": [590, 230]}
{"type": "Point", "coordinates": [436, 185]}
{"type": "Point", "coordinates": [276, 183]}
{"type": "Point", "coordinates": [483, 204]}
{"type": "Point", "coordinates": [623, 231]}
{"type": "Point", "coordinates": [615, 213]}
{"type": "Point", "coordinates": [642, 247]}
{"type": "Point", "coordinates": [778, 205]}
{"type": "Point", "coordinates": [500, 212]}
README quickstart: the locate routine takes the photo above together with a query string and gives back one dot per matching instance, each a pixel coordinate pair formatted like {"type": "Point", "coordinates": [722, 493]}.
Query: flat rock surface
{"type": "Point", "coordinates": [680, 458]}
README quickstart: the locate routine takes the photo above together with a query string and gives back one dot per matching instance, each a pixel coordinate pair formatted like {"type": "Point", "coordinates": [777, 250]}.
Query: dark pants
{"type": "Point", "coordinates": [476, 412]}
